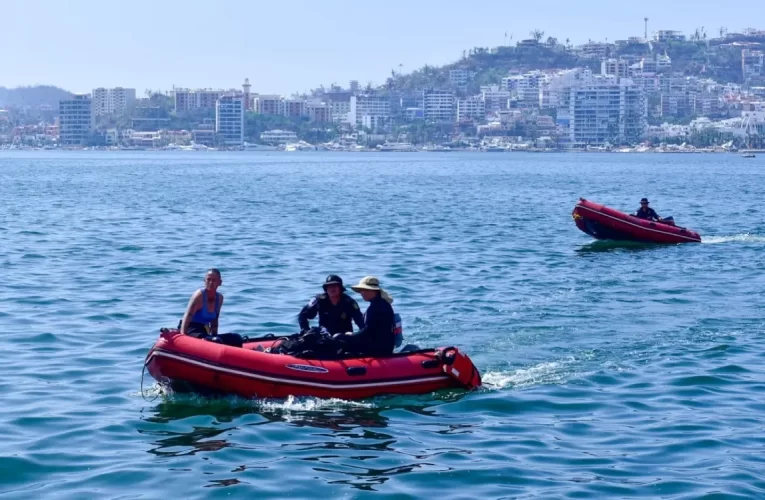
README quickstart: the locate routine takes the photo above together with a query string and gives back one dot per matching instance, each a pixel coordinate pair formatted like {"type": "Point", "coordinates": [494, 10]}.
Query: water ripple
{"type": "Point", "coordinates": [611, 370]}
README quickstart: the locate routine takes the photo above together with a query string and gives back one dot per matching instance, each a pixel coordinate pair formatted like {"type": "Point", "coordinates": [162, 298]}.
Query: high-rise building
{"type": "Point", "coordinates": [294, 107]}
{"type": "Point", "coordinates": [471, 108]}
{"type": "Point", "coordinates": [752, 64]}
{"type": "Point", "coordinates": [319, 112]}
{"type": "Point", "coordinates": [100, 98]}
{"type": "Point", "coordinates": [229, 119]}
{"type": "Point", "coordinates": [619, 68]}
{"type": "Point", "coordinates": [114, 101]}
{"type": "Point", "coordinates": [369, 110]}
{"type": "Point", "coordinates": [121, 100]}
{"type": "Point", "coordinates": [77, 120]}
{"type": "Point", "coordinates": [188, 100]}
{"type": "Point", "coordinates": [603, 111]}
{"type": "Point", "coordinates": [438, 105]}
{"type": "Point", "coordinates": [268, 105]}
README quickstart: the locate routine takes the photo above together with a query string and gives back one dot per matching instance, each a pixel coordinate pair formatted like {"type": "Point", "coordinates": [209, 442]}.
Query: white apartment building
{"type": "Point", "coordinates": [319, 112]}
{"type": "Point", "coordinates": [189, 100]}
{"type": "Point", "coordinates": [528, 87]}
{"type": "Point", "coordinates": [471, 108]}
{"type": "Point", "coordinates": [510, 83]}
{"type": "Point", "coordinates": [459, 77]}
{"type": "Point", "coordinates": [76, 120]}
{"type": "Point", "coordinates": [114, 101]}
{"type": "Point", "coordinates": [604, 111]}
{"type": "Point", "coordinates": [668, 36]}
{"type": "Point", "coordinates": [268, 105]}
{"type": "Point", "coordinates": [368, 110]}
{"type": "Point", "coordinates": [555, 89]}
{"type": "Point", "coordinates": [616, 67]}
{"type": "Point", "coordinates": [294, 107]}
{"type": "Point", "coordinates": [100, 98]}
{"type": "Point", "coordinates": [495, 98]}
{"type": "Point", "coordinates": [229, 119]}
{"type": "Point", "coordinates": [593, 50]}
{"type": "Point", "coordinates": [438, 105]}
{"type": "Point", "coordinates": [752, 63]}
{"type": "Point", "coordinates": [121, 100]}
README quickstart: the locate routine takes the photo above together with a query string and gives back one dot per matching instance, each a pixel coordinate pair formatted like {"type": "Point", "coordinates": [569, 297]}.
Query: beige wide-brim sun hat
{"type": "Point", "coordinates": [372, 283]}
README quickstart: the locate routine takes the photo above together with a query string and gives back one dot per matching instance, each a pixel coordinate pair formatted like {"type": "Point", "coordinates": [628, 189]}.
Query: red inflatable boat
{"type": "Point", "coordinates": [605, 223]}
{"type": "Point", "coordinates": [188, 363]}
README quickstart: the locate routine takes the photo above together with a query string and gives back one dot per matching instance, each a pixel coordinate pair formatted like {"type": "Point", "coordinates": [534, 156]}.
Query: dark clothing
{"type": "Point", "coordinates": [199, 330]}
{"type": "Point", "coordinates": [376, 338]}
{"type": "Point", "coordinates": [647, 213]}
{"type": "Point", "coordinates": [335, 318]}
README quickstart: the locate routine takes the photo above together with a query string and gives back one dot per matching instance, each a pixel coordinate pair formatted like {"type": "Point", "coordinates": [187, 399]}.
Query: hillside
{"type": "Point", "coordinates": [32, 96]}
{"type": "Point", "coordinates": [716, 59]}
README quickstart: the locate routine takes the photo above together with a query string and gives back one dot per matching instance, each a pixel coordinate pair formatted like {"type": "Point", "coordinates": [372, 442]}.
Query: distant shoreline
{"type": "Point", "coordinates": [510, 151]}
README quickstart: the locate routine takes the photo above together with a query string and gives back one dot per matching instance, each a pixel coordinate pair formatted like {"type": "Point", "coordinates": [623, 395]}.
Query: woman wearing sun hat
{"type": "Point", "coordinates": [377, 337]}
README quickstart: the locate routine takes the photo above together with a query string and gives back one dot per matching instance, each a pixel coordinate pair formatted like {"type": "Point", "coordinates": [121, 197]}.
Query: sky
{"type": "Point", "coordinates": [292, 46]}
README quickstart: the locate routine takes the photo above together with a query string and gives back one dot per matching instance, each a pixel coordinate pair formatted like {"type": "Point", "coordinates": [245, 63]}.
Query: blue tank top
{"type": "Point", "coordinates": [203, 315]}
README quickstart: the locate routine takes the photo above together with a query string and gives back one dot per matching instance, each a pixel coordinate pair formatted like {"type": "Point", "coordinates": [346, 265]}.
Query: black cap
{"type": "Point", "coordinates": [333, 279]}
{"type": "Point", "coordinates": [644, 200]}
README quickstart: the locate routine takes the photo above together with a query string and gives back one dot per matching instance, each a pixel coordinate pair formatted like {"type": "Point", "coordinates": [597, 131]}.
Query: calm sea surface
{"type": "Point", "coordinates": [611, 371]}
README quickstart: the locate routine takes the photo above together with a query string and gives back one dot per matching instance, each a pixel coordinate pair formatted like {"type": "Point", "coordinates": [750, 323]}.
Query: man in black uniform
{"type": "Point", "coordinates": [334, 307]}
{"type": "Point", "coordinates": [646, 212]}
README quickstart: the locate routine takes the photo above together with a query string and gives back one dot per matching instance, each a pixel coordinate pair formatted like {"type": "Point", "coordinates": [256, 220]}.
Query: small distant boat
{"type": "Point", "coordinates": [604, 223]}
{"type": "Point", "coordinates": [749, 155]}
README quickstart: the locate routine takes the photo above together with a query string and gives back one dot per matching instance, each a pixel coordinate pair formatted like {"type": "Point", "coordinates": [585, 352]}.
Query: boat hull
{"type": "Point", "coordinates": [605, 223]}
{"type": "Point", "coordinates": [186, 362]}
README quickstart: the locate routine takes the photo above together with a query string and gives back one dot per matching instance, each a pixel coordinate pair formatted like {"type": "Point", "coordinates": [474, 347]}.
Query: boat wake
{"type": "Point", "coordinates": [293, 404]}
{"type": "Point", "coordinates": [741, 238]}
{"type": "Point", "coordinates": [550, 372]}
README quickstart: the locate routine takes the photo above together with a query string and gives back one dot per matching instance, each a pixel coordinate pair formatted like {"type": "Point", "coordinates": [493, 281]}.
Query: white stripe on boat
{"type": "Point", "coordinates": [339, 386]}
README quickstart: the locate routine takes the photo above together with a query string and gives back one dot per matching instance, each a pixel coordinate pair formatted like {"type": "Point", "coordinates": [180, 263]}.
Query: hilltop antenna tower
{"type": "Point", "coordinates": [646, 27]}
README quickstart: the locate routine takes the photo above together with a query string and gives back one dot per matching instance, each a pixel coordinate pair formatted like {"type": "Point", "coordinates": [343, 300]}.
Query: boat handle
{"type": "Point", "coordinates": [355, 371]}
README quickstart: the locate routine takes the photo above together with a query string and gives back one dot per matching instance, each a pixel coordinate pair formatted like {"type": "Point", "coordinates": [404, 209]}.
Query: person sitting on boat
{"type": "Point", "coordinates": [337, 311]}
{"type": "Point", "coordinates": [377, 336]}
{"type": "Point", "coordinates": [203, 312]}
{"type": "Point", "coordinates": [646, 212]}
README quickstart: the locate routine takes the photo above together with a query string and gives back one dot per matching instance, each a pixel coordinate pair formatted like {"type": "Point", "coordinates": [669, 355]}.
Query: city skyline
{"type": "Point", "coordinates": [217, 48]}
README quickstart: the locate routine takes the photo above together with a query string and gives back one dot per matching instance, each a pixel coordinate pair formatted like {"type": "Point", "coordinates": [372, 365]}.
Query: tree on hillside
{"type": "Point", "coordinates": [537, 35]}
{"type": "Point", "coordinates": [552, 41]}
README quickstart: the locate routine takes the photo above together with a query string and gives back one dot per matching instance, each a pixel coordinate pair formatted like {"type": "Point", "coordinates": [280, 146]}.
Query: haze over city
{"type": "Point", "coordinates": [293, 46]}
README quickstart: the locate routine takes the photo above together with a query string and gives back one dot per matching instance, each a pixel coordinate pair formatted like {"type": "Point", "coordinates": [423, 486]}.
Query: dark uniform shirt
{"type": "Point", "coordinates": [335, 318]}
{"type": "Point", "coordinates": [649, 214]}
{"type": "Point", "coordinates": [376, 338]}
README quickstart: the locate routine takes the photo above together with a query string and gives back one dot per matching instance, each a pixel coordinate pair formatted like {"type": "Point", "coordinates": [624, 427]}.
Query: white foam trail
{"type": "Point", "coordinates": [551, 372]}
{"type": "Point", "coordinates": [743, 238]}
{"type": "Point", "coordinates": [310, 404]}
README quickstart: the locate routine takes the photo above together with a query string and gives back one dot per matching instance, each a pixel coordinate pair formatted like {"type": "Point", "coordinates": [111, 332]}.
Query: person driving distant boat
{"type": "Point", "coordinates": [646, 212]}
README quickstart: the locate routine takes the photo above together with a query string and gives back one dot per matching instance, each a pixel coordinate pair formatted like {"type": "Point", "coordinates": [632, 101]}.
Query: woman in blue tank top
{"type": "Point", "coordinates": [201, 318]}
{"type": "Point", "coordinates": [203, 311]}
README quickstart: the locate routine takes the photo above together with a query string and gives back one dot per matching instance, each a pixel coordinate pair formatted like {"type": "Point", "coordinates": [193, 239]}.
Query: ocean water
{"type": "Point", "coordinates": [610, 370]}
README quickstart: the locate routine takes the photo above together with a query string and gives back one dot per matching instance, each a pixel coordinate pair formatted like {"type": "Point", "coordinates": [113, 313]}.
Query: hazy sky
{"type": "Point", "coordinates": [287, 46]}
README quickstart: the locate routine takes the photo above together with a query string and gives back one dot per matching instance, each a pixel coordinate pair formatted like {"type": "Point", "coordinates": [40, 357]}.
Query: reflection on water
{"type": "Point", "coordinates": [600, 246]}
{"type": "Point", "coordinates": [345, 440]}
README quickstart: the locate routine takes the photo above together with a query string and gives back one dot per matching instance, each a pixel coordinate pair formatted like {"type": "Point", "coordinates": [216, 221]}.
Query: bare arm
{"type": "Point", "coordinates": [195, 303]}
{"type": "Point", "coordinates": [214, 323]}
